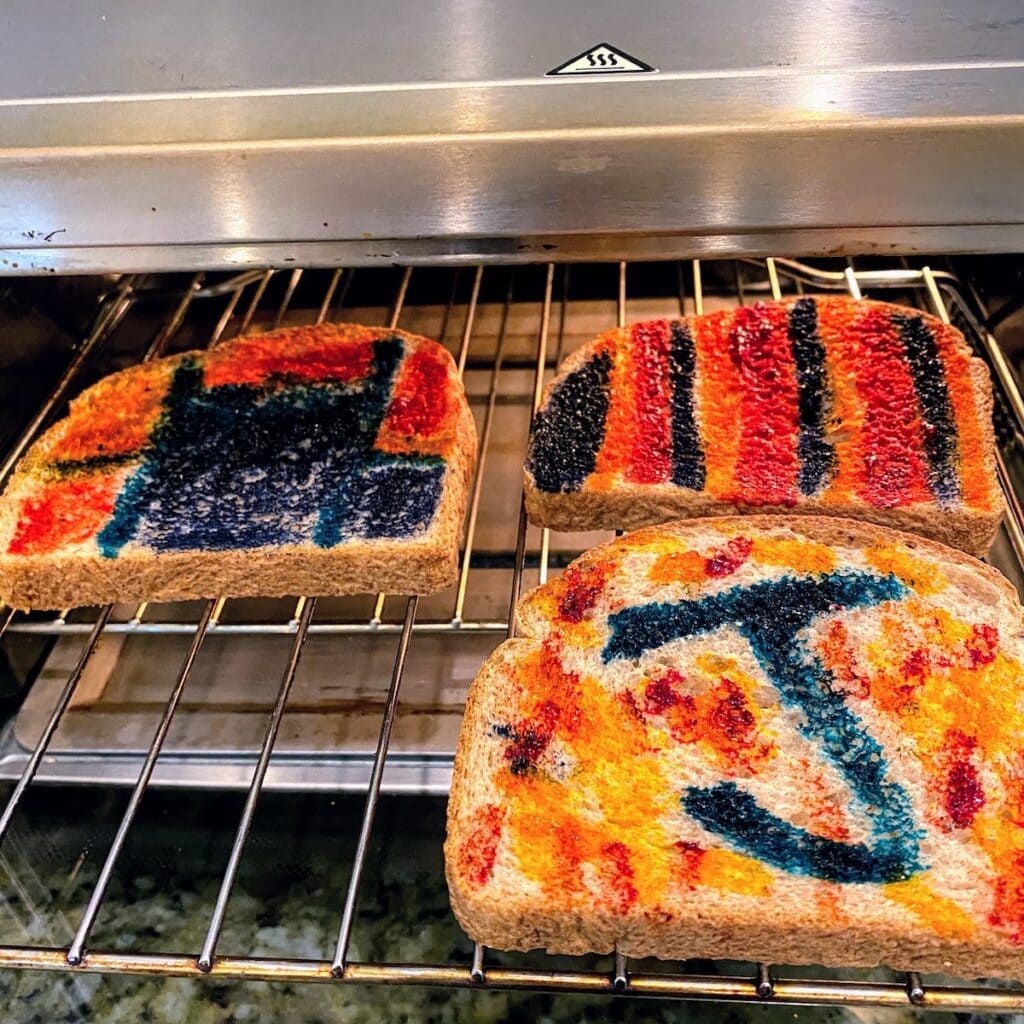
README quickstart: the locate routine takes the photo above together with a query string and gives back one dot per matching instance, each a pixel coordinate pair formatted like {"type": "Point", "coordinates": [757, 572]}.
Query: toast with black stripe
{"type": "Point", "coordinates": [823, 406]}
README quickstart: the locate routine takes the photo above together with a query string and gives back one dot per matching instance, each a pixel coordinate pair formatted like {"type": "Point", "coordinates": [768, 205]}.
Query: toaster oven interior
{"type": "Point", "coordinates": [129, 726]}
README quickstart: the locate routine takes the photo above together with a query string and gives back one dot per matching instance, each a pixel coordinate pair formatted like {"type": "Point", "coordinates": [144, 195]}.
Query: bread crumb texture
{"type": "Point", "coordinates": [823, 404]}
{"type": "Point", "coordinates": [307, 439]}
{"type": "Point", "coordinates": [792, 740]}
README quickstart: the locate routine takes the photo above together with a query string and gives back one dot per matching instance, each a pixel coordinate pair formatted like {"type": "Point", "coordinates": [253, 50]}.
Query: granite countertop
{"type": "Point", "coordinates": [287, 903]}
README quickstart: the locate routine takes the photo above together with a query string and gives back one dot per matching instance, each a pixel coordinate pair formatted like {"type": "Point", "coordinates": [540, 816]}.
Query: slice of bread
{"type": "Point", "coordinates": [789, 739]}
{"type": "Point", "coordinates": [314, 460]}
{"type": "Point", "coordinates": [821, 406]}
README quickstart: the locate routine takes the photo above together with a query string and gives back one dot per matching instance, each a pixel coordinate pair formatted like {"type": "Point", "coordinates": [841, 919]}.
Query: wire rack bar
{"type": "Point", "coordinates": [254, 301]}
{"type": "Point", "coordinates": [773, 278]}
{"type": "Point", "coordinates": [175, 320]}
{"type": "Point", "coordinates": [325, 305]}
{"type": "Point", "coordinates": [1005, 374]}
{"type": "Point", "coordinates": [373, 792]}
{"type": "Point", "coordinates": [99, 889]}
{"type": "Point", "coordinates": [230, 285]}
{"type": "Point", "coordinates": [467, 327]}
{"type": "Point", "coordinates": [620, 972]}
{"type": "Point", "coordinates": [58, 628]}
{"type": "Point", "coordinates": [545, 533]}
{"type": "Point", "coordinates": [30, 769]}
{"type": "Point", "coordinates": [794, 992]}
{"type": "Point", "coordinates": [205, 959]}
{"type": "Point", "coordinates": [698, 289]}
{"type": "Point", "coordinates": [229, 312]}
{"type": "Point", "coordinates": [396, 314]}
{"type": "Point", "coordinates": [837, 280]}
{"type": "Point", "coordinates": [476, 968]}
{"type": "Point", "coordinates": [545, 324]}
{"type": "Point", "coordinates": [484, 446]}
{"type": "Point", "coordinates": [282, 309]}
{"type": "Point", "coordinates": [915, 989]}
{"type": "Point", "coordinates": [538, 387]}
{"type": "Point", "coordinates": [852, 284]}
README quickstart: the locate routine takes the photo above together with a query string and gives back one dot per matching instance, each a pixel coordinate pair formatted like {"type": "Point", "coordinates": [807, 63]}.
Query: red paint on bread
{"type": "Point", "coordinates": [619, 876]}
{"type": "Point", "coordinates": [651, 457]}
{"type": "Point", "coordinates": [583, 586]}
{"type": "Point", "coordinates": [983, 645]}
{"type": "Point", "coordinates": [420, 400]}
{"type": "Point", "coordinates": [767, 464]}
{"type": "Point", "coordinates": [479, 849]}
{"type": "Point", "coordinates": [727, 560]}
{"type": "Point", "coordinates": [893, 471]}
{"type": "Point", "coordinates": [64, 512]}
{"type": "Point", "coordinates": [964, 796]}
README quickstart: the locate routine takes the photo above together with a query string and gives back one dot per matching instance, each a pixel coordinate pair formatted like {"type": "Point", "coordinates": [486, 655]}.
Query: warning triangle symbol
{"type": "Point", "coordinates": [602, 59]}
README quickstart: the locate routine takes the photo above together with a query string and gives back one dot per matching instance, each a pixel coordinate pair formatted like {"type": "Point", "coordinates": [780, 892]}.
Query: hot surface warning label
{"type": "Point", "coordinates": [603, 59]}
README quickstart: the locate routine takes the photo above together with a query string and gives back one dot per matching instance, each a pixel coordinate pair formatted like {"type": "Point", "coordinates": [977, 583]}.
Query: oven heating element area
{"type": "Point", "coordinates": [241, 299]}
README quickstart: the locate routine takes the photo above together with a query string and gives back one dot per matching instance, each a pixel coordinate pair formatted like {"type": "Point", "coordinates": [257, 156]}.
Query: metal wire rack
{"type": "Point", "coordinates": [939, 291]}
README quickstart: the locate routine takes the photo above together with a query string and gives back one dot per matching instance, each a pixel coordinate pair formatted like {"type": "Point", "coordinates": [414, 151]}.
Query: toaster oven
{"type": "Point", "coordinates": [508, 179]}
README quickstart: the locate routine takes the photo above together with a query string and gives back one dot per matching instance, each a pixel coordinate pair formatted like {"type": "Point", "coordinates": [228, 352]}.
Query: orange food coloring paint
{"type": "Point", "coordinates": [118, 418]}
{"type": "Point", "coordinates": [719, 394]}
{"type": "Point", "coordinates": [973, 444]}
{"type": "Point", "coordinates": [678, 567]}
{"type": "Point", "coordinates": [620, 422]}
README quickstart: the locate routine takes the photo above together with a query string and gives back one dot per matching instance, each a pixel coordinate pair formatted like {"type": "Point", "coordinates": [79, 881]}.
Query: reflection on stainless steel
{"type": "Point", "coordinates": [507, 376]}
{"type": "Point", "coordinates": [424, 129]}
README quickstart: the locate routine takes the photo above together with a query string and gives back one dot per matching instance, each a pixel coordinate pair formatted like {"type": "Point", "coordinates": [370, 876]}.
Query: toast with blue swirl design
{"type": "Point", "coordinates": [758, 738]}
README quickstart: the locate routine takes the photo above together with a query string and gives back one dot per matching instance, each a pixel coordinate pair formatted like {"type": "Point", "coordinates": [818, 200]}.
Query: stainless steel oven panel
{"type": "Point", "coordinates": [147, 136]}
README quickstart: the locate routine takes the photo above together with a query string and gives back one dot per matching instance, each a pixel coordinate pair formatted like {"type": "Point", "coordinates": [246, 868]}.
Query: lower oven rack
{"type": "Point", "coordinates": [242, 294]}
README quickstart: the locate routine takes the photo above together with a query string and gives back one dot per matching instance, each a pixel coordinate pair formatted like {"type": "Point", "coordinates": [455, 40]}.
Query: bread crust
{"type": "Point", "coordinates": [712, 924]}
{"type": "Point", "coordinates": [419, 565]}
{"type": "Point", "coordinates": [630, 506]}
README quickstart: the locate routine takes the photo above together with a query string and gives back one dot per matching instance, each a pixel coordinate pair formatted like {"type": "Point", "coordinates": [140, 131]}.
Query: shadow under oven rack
{"type": "Point", "coordinates": [240, 300]}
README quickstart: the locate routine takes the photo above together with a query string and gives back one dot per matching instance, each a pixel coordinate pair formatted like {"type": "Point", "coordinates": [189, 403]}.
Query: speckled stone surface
{"type": "Point", "coordinates": [287, 903]}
